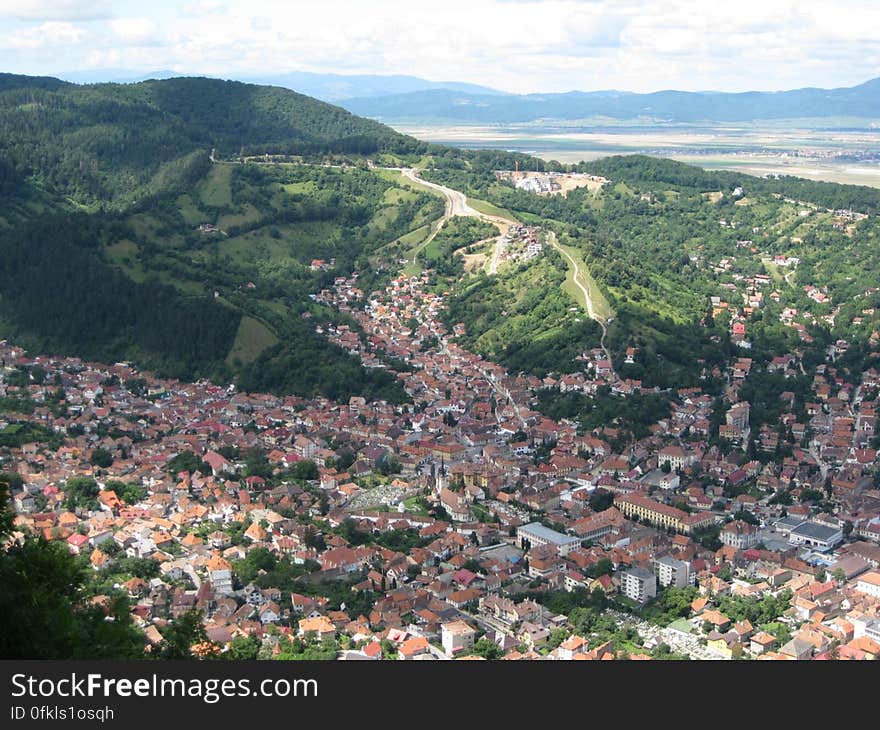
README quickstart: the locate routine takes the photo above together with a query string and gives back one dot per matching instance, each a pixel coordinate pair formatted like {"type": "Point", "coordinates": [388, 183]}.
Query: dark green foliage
{"type": "Point", "coordinates": [401, 540]}
{"type": "Point", "coordinates": [603, 567]}
{"type": "Point", "coordinates": [651, 240]}
{"type": "Point", "coordinates": [600, 500]}
{"type": "Point", "coordinates": [62, 299]}
{"type": "Point", "coordinates": [566, 602]}
{"type": "Point", "coordinates": [662, 173]}
{"type": "Point", "coordinates": [128, 493]}
{"type": "Point", "coordinates": [318, 367]}
{"type": "Point", "coordinates": [635, 413]}
{"type": "Point", "coordinates": [15, 435]}
{"type": "Point", "coordinates": [187, 461]}
{"type": "Point", "coordinates": [117, 143]}
{"type": "Point", "coordinates": [128, 152]}
{"type": "Point", "coordinates": [671, 603]}
{"type": "Point", "coordinates": [522, 319]}
{"type": "Point", "coordinates": [487, 649]}
{"type": "Point", "coordinates": [258, 559]}
{"type": "Point", "coordinates": [81, 493]}
{"type": "Point", "coordinates": [708, 537]}
{"type": "Point", "coordinates": [242, 648]}
{"type": "Point", "coordinates": [181, 634]}
{"type": "Point", "coordinates": [44, 609]}
{"type": "Point", "coordinates": [306, 650]}
{"type": "Point", "coordinates": [765, 610]}
{"type": "Point", "coordinates": [101, 457]}
{"type": "Point", "coordinates": [143, 568]}
{"type": "Point", "coordinates": [746, 516]}
{"type": "Point", "coordinates": [304, 470]}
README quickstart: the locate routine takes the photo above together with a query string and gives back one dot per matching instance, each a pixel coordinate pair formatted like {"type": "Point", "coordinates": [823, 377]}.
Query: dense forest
{"type": "Point", "coordinates": [58, 293]}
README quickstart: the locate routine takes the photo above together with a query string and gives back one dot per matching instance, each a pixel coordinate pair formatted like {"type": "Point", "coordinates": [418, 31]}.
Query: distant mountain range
{"type": "Point", "coordinates": [662, 106]}
{"type": "Point", "coordinates": [326, 87]}
{"type": "Point", "coordinates": [400, 98]}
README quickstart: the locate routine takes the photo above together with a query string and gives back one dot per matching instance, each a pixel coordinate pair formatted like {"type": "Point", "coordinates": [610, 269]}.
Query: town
{"type": "Point", "coordinates": [465, 524]}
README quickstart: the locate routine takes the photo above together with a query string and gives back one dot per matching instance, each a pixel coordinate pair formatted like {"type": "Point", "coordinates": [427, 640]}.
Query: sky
{"type": "Point", "coordinates": [520, 46]}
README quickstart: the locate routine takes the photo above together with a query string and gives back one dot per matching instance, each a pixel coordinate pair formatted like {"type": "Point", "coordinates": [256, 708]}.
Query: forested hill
{"type": "Point", "coordinates": [112, 144]}
{"type": "Point", "coordinates": [661, 173]}
{"type": "Point", "coordinates": [120, 238]}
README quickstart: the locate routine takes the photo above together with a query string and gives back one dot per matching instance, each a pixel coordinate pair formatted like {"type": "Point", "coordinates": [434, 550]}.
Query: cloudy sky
{"type": "Point", "coordinates": [515, 45]}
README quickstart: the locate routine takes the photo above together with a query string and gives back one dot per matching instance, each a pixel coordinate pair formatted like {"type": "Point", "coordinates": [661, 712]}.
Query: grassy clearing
{"type": "Point", "coordinates": [124, 255]}
{"type": "Point", "coordinates": [490, 209]}
{"type": "Point", "coordinates": [395, 196]}
{"type": "Point", "coordinates": [414, 266]}
{"type": "Point", "coordinates": [216, 190]}
{"type": "Point", "coordinates": [383, 218]}
{"type": "Point", "coordinates": [190, 210]}
{"type": "Point", "coordinates": [299, 241]}
{"type": "Point", "coordinates": [248, 214]}
{"type": "Point", "coordinates": [251, 339]}
{"type": "Point", "coordinates": [297, 188]}
{"type": "Point", "coordinates": [122, 250]}
{"type": "Point", "coordinates": [601, 307]}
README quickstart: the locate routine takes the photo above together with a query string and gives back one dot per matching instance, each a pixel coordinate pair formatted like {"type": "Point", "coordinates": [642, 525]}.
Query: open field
{"type": "Point", "coordinates": [575, 284]}
{"type": "Point", "coordinates": [217, 189]}
{"type": "Point", "coordinates": [488, 209]}
{"type": "Point", "coordinates": [846, 154]}
{"type": "Point", "coordinates": [251, 339]}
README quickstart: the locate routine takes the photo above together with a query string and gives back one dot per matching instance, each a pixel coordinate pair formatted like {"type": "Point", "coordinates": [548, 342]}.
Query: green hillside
{"type": "Point", "coordinates": [120, 238]}
{"type": "Point", "coordinates": [661, 240]}
{"type": "Point", "coordinates": [112, 144]}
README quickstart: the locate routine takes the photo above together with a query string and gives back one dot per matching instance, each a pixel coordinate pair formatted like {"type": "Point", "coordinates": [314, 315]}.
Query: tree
{"type": "Point", "coordinates": [181, 635]}
{"type": "Point", "coordinates": [487, 649]}
{"type": "Point", "coordinates": [81, 492]}
{"type": "Point", "coordinates": [243, 648]}
{"type": "Point", "coordinates": [45, 609]}
{"type": "Point", "coordinates": [305, 470]}
{"type": "Point", "coordinates": [187, 461]}
{"type": "Point", "coordinates": [101, 457]}
{"type": "Point", "coordinates": [603, 567]}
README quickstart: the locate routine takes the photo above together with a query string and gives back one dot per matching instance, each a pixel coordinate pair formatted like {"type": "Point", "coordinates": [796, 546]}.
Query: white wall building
{"type": "Point", "coordinates": [638, 585]}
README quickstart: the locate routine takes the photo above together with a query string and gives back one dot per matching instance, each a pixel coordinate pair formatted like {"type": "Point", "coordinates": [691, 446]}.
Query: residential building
{"type": "Point", "coordinates": [672, 572]}
{"type": "Point", "coordinates": [457, 638]}
{"type": "Point", "coordinates": [739, 534]}
{"type": "Point", "coordinates": [638, 584]}
{"type": "Point", "coordinates": [534, 534]}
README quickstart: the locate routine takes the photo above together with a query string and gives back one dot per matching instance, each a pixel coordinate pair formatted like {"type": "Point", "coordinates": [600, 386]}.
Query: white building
{"type": "Point", "coordinates": [670, 571]}
{"type": "Point", "coordinates": [816, 536]}
{"type": "Point", "coordinates": [869, 583]}
{"type": "Point", "coordinates": [638, 585]}
{"type": "Point", "coordinates": [457, 638]}
{"type": "Point", "coordinates": [536, 534]}
{"type": "Point", "coordinates": [739, 534]}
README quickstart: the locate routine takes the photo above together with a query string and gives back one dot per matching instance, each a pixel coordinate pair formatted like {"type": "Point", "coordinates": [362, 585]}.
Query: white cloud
{"type": "Point", "coordinates": [519, 45]}
{"type": "Point", "coordinates": [136, 31]}
{"type": "Point", "coordinates": [43, 10]}
{"type": "Point", "coordinates": [46, 35]}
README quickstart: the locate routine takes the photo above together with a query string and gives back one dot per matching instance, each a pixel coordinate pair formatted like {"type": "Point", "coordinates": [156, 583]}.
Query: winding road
{"type": "Point", "coordinates": [551, 236]}
{"type": "Point", "coordinates": [456, 204]}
